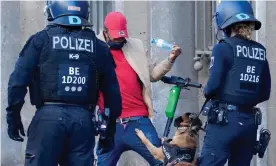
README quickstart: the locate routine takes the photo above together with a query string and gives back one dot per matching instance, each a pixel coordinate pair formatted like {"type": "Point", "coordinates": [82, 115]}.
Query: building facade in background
{"type": "Point", "coordinates": [187, 23]}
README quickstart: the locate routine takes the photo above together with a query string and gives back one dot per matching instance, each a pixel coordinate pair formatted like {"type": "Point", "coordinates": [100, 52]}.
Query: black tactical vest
{"type": "Point", "coordinates": [242, 83]}
{"type": "Point", "coordinates": [68, 71]}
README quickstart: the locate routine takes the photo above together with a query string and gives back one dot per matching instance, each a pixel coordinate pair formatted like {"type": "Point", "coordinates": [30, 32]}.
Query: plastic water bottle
{"type": "Point", "coordinates": [162, 44]}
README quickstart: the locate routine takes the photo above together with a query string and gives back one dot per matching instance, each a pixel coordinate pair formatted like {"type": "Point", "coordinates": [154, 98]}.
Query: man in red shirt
{"type": "Point", "coordinates": [134, 75]}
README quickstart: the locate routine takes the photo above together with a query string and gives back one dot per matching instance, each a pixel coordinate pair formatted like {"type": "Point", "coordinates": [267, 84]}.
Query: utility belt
{"type": "Point", "coordinates": [216, 113]}
{"type": "Point", "coordinates": [85, 106]}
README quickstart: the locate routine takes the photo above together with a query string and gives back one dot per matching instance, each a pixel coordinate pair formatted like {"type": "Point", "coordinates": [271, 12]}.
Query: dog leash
{"type": "Point", "coordinates": [202, 108]}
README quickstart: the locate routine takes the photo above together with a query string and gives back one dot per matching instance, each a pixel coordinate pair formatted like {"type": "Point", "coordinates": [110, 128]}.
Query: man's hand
{"type": "Point", "coordinates": [176, 51]}
{"type": "Point", "coordinates": [15, 127]}
{"type": "Point", "coordinates": [141, 135]}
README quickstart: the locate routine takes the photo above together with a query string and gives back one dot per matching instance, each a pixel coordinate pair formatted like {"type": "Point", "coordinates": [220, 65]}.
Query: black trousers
{"type": "Point", "coordinates": [60, 134]}
{"type": "Point", "coordinates": [234, 141]}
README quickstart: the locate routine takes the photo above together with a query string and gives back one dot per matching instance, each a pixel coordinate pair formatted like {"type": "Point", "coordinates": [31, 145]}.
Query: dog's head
{"type": "Point", "coordinates": [191, 121]}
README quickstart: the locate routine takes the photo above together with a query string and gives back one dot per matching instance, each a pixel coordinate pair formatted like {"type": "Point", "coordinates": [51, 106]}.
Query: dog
{"type": "Point", "coordinates": [184, 141]}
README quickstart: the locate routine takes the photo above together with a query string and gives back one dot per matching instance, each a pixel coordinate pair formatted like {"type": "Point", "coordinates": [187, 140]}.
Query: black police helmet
{"type": "Point", "coordinates": [232, 12]}
{"type": "Point", "coordinates": [68, 13]}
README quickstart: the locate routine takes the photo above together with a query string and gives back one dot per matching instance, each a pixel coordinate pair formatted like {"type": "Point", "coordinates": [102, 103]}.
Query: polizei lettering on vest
{"type": "Point", "coordinates": [251, 52]}
{"type": "Point", "coordinates": [72, 43]}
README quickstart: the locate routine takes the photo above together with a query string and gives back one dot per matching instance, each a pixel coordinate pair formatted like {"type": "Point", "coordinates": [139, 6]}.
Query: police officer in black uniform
{"type": "Point", "coordinates": [239, 80]}
{"type": "Point", "coordinates": [63, 66]}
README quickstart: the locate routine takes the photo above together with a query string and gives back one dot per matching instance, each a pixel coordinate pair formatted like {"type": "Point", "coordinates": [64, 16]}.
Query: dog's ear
{"type": "Point", "coordinates": [192, 116]}
{"type": "Point", "coordinates": [196, 122]}
{"type": "Point", "coordinates": [186, 117]}
{"type": "Point", "coordinates": [177, 121]}
{"type": "Point", "coordinates": [187, 114]}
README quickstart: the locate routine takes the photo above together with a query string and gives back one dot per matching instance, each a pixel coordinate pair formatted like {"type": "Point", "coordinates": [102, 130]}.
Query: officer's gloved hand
{"type": "Point", "coordinates": [105, 145]}
{"type": "Point", "coordinates": [15, 126]}
{"type": "Point", "coordinates": [111, 128]}
{"type": "Point", "coordinates": [208, 95]}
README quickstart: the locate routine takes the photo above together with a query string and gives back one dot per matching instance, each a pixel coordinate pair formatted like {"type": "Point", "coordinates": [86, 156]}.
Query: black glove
{"type": "Point", "coordinates": [15, 126]}
{"type": "Point", "coordinates": [208, 95]}
{"type": "Point", "coordinates": [105, 145]}
{"type": "Point", "coordinates": [111, 128]}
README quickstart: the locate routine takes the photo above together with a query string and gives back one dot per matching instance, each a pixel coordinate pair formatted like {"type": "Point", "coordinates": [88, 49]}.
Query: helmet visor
{"type": "Point", "coordinates": [218, 32]}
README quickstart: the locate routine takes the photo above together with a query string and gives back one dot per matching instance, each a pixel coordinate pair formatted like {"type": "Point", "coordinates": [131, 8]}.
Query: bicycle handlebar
{"type": "Point", "coordinates": [181, 82]}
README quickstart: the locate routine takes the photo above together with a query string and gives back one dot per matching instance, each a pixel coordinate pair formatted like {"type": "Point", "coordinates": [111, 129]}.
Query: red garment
{"type": "Point", "coordinates": [130, 88]}
{"type": "Point", "coordinates": [116, 24]}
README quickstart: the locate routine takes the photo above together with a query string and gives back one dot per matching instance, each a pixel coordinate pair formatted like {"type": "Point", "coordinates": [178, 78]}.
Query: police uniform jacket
{"type": "Point", "coordinates": [63, 67]}
{"type": "Point", "coordinates": [148, 72]}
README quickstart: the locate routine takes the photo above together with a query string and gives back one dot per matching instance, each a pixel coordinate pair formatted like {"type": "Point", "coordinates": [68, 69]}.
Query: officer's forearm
{"type": "Point", "coordinates": [267, 90]}
{"type": "Point", "coordinates": [111, 127]}
{"type": "Point", "coordinates": [214, 81]}
{"type": "Point", "coordinates": [112, 99]}
{"type": "Point", "coordinates": [208, 94]}
{"type": "Point", "coordinates": [22, 75]}
{"type": "Point", "coordinates": [17, 91]}
{"type": "Point", "coordinates": [116, 112]}
{"type": "Point", "coordinates": [115, 107]}
{"type": "Point", "coordinates": [15, 109]}
{"type": "Point", "coordinates": [16, 94]}
{"type": "Point", "coordinates": [211, 89]}
{"type": "Point", "coordinates": [19, 79]}
{"type": "Point", "coordinates": [111, 89]}
{"type": "Point", "coordinates": [265, 85]}
{"type": "Point", "coordinates": [114, 102]}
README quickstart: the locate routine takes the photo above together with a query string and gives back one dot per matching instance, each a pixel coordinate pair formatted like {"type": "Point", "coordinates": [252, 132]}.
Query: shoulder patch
{"type": "Point", "coordinates": [212, 62]}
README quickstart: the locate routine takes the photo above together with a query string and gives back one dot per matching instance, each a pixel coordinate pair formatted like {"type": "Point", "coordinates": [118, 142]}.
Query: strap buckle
{"type": "Point", "coordinates": [124, 120]}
